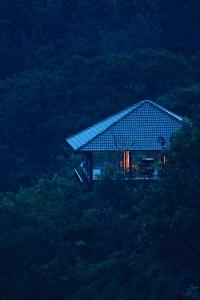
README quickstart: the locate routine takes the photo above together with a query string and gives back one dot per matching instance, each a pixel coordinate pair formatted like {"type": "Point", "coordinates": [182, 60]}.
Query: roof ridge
{"type": "Point", "coordinates": [104, 119]}
{"type": "Point", "coordinates": [165, 110]}
{"type": "Point", "coordinates": [131, 107]}
{"type": "Point", "coordinates": [128, 109]}
{"type": "Point", "coordinates": [90, 133]}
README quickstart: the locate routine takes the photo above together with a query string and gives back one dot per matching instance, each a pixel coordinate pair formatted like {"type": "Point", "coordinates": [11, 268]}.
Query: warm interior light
{"type": "Point", "coordinates": [126, 160]}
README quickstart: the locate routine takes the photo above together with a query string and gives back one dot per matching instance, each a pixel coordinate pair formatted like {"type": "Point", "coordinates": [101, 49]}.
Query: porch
{"type": "Point", "coordinates": [125, 165]}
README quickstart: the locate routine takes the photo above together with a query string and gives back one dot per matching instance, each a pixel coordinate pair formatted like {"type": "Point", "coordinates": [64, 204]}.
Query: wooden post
{"type": "Point", "coordinates": [90, 165]}
{"type": "Point", "coordinates": [130, 164]}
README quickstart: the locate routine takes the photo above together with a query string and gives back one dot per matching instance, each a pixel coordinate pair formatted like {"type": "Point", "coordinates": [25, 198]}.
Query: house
{"type": "Point", "coordinates": [130, 144]}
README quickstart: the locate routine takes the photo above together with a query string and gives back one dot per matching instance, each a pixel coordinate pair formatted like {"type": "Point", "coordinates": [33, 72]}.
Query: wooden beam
{"type": "Point", "coordinates": [90, 165]}
{"type": "Point", "coordinates": [79, 177]}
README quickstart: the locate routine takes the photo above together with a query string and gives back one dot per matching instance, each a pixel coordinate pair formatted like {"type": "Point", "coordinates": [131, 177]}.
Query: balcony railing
{"type": "Point", "coordinates": [137, 173]}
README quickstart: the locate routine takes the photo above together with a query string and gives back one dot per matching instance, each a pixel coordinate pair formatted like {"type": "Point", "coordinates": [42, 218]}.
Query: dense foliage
{"type": "Point", "coordinates": [60, 241]}
{"type": "Point", "coordinates": [64, 65]}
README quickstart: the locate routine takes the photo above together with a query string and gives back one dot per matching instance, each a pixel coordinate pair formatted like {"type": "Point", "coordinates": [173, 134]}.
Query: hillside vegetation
{"type": "Point", "coordinates": [65, 65]}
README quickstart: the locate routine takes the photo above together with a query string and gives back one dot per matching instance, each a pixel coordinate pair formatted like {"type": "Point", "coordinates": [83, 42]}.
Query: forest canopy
{"type": "Point", "coordinates": [64, 66]}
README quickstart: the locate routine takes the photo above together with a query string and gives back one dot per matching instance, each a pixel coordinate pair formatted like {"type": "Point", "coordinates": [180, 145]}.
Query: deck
{"type": "Point", "coordinates": [83, 177]}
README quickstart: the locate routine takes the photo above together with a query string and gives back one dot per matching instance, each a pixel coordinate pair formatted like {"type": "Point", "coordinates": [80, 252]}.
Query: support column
{"type": "Point", "coordinates": [130, 164]}
{"type": "Point", "coordinates": [90, 165]}
{"type": "Point", "coordinates": [127, 163]}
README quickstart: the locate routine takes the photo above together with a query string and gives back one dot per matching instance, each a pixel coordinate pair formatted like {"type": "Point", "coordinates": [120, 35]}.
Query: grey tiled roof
{"type": "Point", "coordinates": [138, 127]}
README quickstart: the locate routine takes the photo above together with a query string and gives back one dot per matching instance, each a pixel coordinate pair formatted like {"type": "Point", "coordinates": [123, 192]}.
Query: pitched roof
{"type": "Point", "coordinates": [137, 127]}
